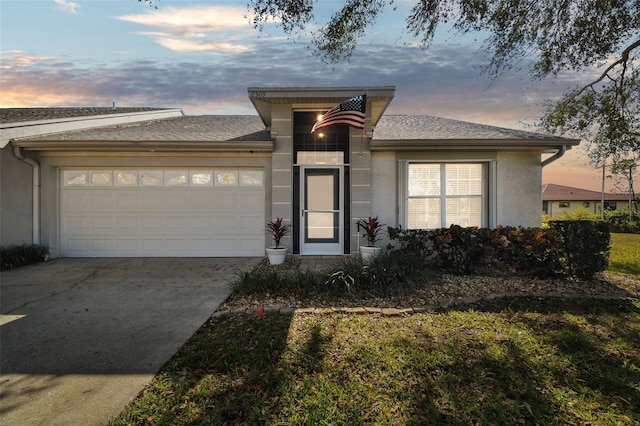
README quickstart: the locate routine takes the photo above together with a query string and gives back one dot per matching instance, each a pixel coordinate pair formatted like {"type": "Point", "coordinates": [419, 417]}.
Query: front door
{"type": "Point", "coordinates": [322, 222]}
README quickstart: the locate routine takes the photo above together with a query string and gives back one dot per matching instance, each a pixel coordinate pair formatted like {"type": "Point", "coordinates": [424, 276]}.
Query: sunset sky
{"type": "Point", "coordinates": [202, 55]}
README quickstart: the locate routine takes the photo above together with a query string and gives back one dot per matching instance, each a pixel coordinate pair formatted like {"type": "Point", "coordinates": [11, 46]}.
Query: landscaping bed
{"type": "Point", "coordinates": [436, 290]}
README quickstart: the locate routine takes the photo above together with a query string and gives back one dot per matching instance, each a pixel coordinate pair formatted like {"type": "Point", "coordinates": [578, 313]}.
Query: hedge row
{"type": "Point", "coordinates": [579, 248]}
{"type": "Point", "coordinates": [26, 254]}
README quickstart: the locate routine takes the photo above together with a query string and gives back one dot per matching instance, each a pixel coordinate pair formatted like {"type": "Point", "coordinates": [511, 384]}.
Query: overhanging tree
{"type": "Point", "coordinates": [597, 37]}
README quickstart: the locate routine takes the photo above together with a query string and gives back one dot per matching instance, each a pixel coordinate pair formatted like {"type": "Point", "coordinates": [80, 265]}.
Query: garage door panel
{"type": "Point", "coordinates": [125, 202]}
{"type": "Point", "coordinates": [126, 245]}
{"type": "Point", "coordinates": [189, 219]}
{"type": "Point", "coordinates": [200, 224]}
{"type": "Point", "coordinates": [202, 201]}
{"type": "Point", "coordinates": [249, 202]}
{"type": "Point", "coordinates": [175, 202]}
{"type": "Point", "coordinates": [127, 223]}
{"type": "Point", "coordinates": [251, 223]}
{"type": "Point", "coordinates": [75, 201]}
{"type": "Point", "coordinates": [151, 223]}
{"type": "Point", "coordinates": [74, 245]}
{"type": "Point", "coordinates": [202, 245]}
{"type": "Point", "coordinates": [101, 200]}
{"type": "Point", "coordinates": [152, 245]}
{"type": "Point", "coordinates": [101, 245]}
{"type": "Point", "coordinates": [178, 244]}
{"type": "Point", "coordinates": [75, 224]}
{"type": "Point", "coordinates": [102, 224]}
{"type": "Point", "coordinates": [151, 200]}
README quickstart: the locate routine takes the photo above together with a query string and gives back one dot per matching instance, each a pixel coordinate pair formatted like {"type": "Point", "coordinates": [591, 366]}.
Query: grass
{"type": "Point", "coordinates": [512, 363]}
{"type": "Point", "coordinates": [625, 254]}
{"type": "Point", "coordinates": [520, 361]}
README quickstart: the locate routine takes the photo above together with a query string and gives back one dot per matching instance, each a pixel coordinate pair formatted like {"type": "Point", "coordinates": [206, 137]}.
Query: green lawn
{"type": "Point", "coordinates": [527, 362]}
{"type": "Point", "coordinates": [524, 361]}
{"type": "Point", "coordinates": [625, 254]}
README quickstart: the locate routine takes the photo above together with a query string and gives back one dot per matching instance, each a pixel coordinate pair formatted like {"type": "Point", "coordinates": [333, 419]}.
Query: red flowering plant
{"type": "Point", "coordinates": [371, 228]}
{"type": "Point", "coordinates": [278, 230]}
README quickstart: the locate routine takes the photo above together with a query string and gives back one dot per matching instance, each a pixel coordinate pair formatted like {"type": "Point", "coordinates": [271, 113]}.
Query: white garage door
{"type": "Point", "coordinates": [162, 213]}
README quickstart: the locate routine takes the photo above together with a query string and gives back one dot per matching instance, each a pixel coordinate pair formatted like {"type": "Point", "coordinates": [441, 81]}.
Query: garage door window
{"type": "Point", "coordinates": [176, 178]}
{"type": "Point", "coordinates": [201, 178]}
{"type": "Point", "coordinates": [102, 178]}
{"type": "Point", "coordinates": [173, 178]}
{"type": "Point", "coordinates": [126, 178]}
{"type": "Point", "coordinates": [151, 178]}
{"type": "Point", "coordinates": [226, 178]}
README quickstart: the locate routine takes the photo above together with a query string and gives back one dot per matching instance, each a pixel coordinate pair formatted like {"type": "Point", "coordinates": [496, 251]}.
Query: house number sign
{"type": "Point", "coordinates": [253, 94]}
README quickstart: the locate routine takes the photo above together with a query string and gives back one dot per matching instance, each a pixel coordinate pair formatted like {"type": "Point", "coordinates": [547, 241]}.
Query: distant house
{"type": "Point", "coordinates": [154, 182]}
{"type": "Point", "coordinates": [559, 199]}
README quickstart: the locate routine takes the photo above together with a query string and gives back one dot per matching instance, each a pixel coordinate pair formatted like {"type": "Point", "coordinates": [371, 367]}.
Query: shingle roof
{"type": "Point", "coordinates": [553, 192]}
{"type": "Point", "coordinates": [17, 115]}
{"type": "Point", "coordinates": [186, 128]}
{"type": "Point", "coordinates": [426, 127]}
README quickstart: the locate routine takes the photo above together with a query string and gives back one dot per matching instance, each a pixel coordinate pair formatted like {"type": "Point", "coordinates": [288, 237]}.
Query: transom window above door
{"type": "Point", "coordinates": [438, 195]}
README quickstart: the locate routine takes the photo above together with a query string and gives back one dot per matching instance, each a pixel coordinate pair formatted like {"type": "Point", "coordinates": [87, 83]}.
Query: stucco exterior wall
{"type": "Point", "coordinates": [361, 186]}
{"type": "Point", "coordinates": [384, 196]}
{"type": "Point", "coordinates": [519, 189]}
{"type": "Point", "coordinates": [282, 171]}
{"type": "Point", "coordinates": [52, 164]}
{"type": "Point", "coordinates": [16, 189]}
{"type": "Point", "coordinates": [514, 181]}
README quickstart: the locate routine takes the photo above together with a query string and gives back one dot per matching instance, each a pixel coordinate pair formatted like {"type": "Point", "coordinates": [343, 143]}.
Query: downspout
{"type": "Point", "coordinates": [35, 166]}
{"type": "Point", "coordinates": [554, 157]}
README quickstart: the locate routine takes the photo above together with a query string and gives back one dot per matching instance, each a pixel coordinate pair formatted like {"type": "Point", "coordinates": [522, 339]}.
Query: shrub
{"type": "Point", "coordinates": [529, 250]}
{"type": "Point", "coordinates": [581, 213]}
{"type": "Point", "coordinates": [387, 274]}
{"type": "Point", "coordinates": [275, 280]}
{"type": "Point", "coordinates": [620, 222]}
{"type": "Point", "coordinates": [586, 246]}
{"type": "Point", "coordinates": [463, 250]}
{"type": "Point", "coordinates": [20, 255]}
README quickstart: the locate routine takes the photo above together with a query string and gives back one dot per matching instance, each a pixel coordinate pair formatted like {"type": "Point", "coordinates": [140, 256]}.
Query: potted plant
{"type": "Point", "coordinates": [371, 228]}
{"type": "Point", "coordinates": [277, 254]}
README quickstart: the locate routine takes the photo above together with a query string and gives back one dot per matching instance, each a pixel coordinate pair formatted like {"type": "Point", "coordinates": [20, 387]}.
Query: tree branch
{"type": "Point", "coordinates": [624, 58]}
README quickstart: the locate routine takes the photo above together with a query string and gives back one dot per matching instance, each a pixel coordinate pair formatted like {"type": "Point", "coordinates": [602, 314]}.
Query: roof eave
{"type": "Point", "coordinates": [147, 146]}
{"type": "Point", "coordinates": [28, 129]}
{"type": "Point", "coordinates": [548, 145]}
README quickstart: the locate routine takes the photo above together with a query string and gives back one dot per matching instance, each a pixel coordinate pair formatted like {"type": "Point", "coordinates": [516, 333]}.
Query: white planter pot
{"type": "Point", "coordinates": [277, 255]}
{"type": "Point", "coordinates": [368, 252]}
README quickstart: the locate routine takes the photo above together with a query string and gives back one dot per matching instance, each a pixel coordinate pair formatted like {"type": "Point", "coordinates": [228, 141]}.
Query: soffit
{"type": "Point", "coordinates": [319, 98]}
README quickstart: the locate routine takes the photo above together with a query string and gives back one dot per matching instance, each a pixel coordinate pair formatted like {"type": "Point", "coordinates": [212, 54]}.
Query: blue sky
{"type": "Point", "coordinates": [202, 55]}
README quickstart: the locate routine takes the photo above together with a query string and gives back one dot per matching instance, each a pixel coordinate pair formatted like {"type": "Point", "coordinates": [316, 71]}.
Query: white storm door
{"type": "Point", "coordinates": [322, 222]}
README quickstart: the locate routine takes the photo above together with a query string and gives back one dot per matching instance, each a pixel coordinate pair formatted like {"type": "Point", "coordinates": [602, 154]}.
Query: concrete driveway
{"type": "Point", "coordinates": [80, 337]}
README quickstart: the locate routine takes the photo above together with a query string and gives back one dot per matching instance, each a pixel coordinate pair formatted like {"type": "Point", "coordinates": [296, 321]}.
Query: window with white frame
{"type": "Point", "coordinates": [441, 194]}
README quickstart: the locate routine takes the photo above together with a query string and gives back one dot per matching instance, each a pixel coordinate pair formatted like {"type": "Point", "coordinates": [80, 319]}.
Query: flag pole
{"type": "Point", "coordinates": [363, 127]}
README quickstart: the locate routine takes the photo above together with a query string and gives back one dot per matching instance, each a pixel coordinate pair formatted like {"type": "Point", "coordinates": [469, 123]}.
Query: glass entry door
{"type": "Point", "coordinates": [322, 205]}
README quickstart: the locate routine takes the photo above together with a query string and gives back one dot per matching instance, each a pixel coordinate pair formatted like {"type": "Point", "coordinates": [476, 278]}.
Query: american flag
{"type": "Point", "coordinates": [350, 113]}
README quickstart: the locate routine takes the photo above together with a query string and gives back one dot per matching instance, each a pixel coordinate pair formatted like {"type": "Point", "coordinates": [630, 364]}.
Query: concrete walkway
{"type": "Point", "coordinates": [79, 338]}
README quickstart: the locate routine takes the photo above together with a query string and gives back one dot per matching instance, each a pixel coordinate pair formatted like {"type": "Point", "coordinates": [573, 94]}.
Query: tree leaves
{"type": "Point", "coordinates": [551, 35]}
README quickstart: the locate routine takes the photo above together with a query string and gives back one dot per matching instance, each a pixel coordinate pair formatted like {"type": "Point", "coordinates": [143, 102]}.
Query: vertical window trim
{"type": "Point", "coordinates": [488, 197]}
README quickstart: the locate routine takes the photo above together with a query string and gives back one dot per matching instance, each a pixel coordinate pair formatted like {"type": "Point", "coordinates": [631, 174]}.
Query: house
{"type": "Point", "coordinates": [559, 199]}
{"type": "Point", "coordinates": [155, 182]}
